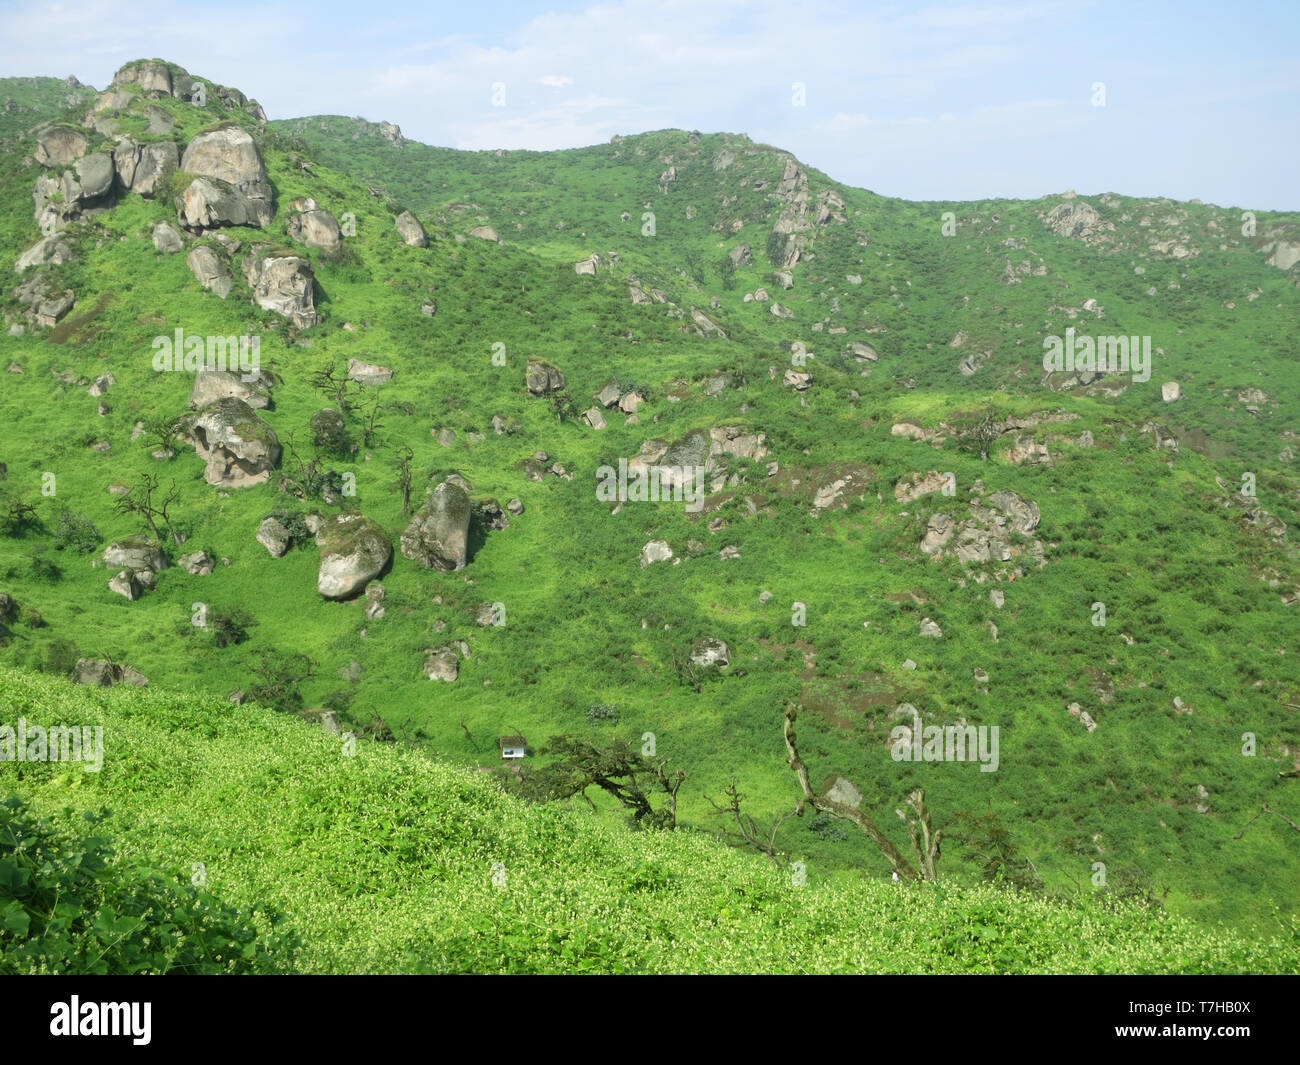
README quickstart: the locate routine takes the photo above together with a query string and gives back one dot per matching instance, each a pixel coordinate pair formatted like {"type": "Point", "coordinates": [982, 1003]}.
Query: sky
{"type": "Point", "coordinates": [943, 101]}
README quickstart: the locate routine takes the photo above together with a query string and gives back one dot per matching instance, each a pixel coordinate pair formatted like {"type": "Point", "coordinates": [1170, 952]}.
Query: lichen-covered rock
{"type": "Point", "coordinates": [354, 551]}
{"type": "Point", "coordinates": [239, 448]}
{"type": "Point", "coordinates": [438, 535]}
{"type": "Point", "coordinates": [283, 284]}
{"type": "Point", "coordinates": [542, 378]}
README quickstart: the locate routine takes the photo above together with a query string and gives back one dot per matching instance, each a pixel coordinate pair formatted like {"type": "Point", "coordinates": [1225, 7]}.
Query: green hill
{"type": "Point", "coordinates": [827, 539]}
{"type": "Point", "coordinates": [389, 861]}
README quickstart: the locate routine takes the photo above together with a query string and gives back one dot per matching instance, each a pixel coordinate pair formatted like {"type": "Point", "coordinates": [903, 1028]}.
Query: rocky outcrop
{"type": "Point", "coordinates": [353, 551]}
{"type": "Point", "coordinates": [152, 76]}
{"type": "Point", "coordinates": [1077, 220]}
{"type": "Point", "coordinates": [485, 233]}
{"type": "Point", "coordinates": [51, 250]}
{"type": "Point", "coordinates": [230, 187]}
{"type": "Point", "coordinates": [60, 146]}
{"type": "Point", "coordinates": [410, 230]}
{"type": "Point", "coordinates": [283, 284]}
{"type": "Point", "coordinates": [239, 448]}
{"type": "Point", "coordinates": [140, 167]}
{"type": "Point", "coordinates": [438, 535]}
{"type": "Point", "coordinates": [985, 535]}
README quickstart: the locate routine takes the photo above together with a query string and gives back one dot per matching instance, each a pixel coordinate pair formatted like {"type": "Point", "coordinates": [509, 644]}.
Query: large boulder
{"type": "Point", "coordinates": [438, 535]}
{"type": "Point", "coordinates": [60, 146]}
{"type": "Point", "coordinates": [213, 385]}
{"type": "Point", "coordinates": [485, 233]}
{"type": "Point", "coordinates": [228, 154]}
{"type": "Point", "coordinates": [283, 284]}
{"type": "Point", "coordinates": [152, 75]}
{"type": "Point", "coordinates": [101, 674]}
{"type": "Point", "coordinates": [137, 553]}
{"type": "Point", "coordinates": [239, 448]}
{"type": "Point", "coordinates": [410, 230]}
{"type": "Point", "coordinates": [366, 373]}
{"type": "Point", "coordinates": [140, 167]}
{"type": "Point", "coordinates": [89, 182]}
{"type": "Point", "coordinates": [353, 551]}
{"type": "Point", "coordinates": [208, 203]}
{"type": "Point", "coordinates": [166, 239]}
{"type": "Point", "coordinates": [51, 250]}
{"type": "Point", "coordinates": [316, 228]}
{"type": "Point", "coordinates": [210, 270]}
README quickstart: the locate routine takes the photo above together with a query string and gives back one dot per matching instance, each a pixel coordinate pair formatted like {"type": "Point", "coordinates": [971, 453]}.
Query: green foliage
{"type": "Point", "coordinates": [74, 531]}
{"type": "Point", "coordinates": [67, 906]}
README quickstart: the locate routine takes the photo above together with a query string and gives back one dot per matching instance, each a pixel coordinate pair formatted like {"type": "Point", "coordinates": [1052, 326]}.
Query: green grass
{"type": "Point", "coordinates": [387, 861]}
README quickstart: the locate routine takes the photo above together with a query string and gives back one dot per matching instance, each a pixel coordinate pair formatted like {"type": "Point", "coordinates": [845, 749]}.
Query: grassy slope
{"type": "Point", "coordinates": [1126, 526]}
{"type": "Point", "coordinates": [384, 861]}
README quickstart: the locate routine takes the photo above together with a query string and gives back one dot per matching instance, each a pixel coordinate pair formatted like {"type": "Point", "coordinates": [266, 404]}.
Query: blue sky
{"type": "Point", "coordinates": [923, 101]}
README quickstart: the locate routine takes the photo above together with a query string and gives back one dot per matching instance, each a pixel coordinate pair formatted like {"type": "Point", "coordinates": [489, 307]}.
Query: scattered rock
{"type": "Point", "coordinates": [354, 551]}
{"type": "Point", "coordinates": [438, 535]}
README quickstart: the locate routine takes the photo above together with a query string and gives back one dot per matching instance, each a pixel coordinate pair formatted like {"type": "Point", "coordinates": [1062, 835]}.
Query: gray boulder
{"type": "Point", "coordinates": [210, 270]}
{"type": "Point", "coordinates": [208, 203]}
{"type": "Point", "coordinates": [212, 385]}
{"type": "Point", "coordinates": [140, 167]}
{"type": "Point", "coordinates": [166, 239]}
{"type": "Point", "coordinates": [283, 285]}
{"type": "Point", "coordinates": [438, 535]}
{"type": "Point", "coordinates": [366, 373]}
{"type": "Point", "coordinates": [316, 228]}
{"type": "Point", "coordinates": [239, 448]}
{"type": "Point", "coordinates": [410, 230]}
{"type": "Point", "coordinates": [101, 674]}
{"type": "Point", "coordinates": [272, 535]}
{"type": "Point", "coordinates": [542, 378]}
{"type": "Point", "coordinates": [354, 551]}
{"type": "Point", "coordinates": [60, 146]}
{"type": "Point", "coordinates": [137, 553]}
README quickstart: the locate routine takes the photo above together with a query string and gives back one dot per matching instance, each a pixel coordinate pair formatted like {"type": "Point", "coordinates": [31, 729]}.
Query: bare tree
{"type": "Point", "coordinates": [748, 831]}
{"type": "Point", "coordinates": [144, 501]}
{"type": "Point", "coordinates": [925, 841]}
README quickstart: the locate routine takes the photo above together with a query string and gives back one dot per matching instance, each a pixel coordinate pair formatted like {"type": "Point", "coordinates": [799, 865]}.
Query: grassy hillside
{"type": "Point", "coordinates": [387, 861]}
{"type": "Point", "coordinates": [1199, 585]}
